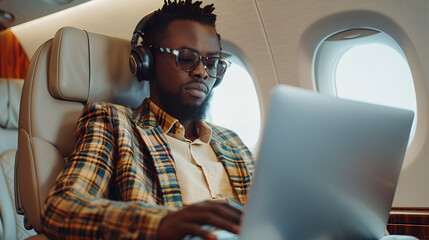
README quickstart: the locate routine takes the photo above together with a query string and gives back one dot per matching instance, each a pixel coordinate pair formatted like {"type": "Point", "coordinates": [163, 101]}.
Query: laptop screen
{"type": "Point", "coordinates": [327, 168]}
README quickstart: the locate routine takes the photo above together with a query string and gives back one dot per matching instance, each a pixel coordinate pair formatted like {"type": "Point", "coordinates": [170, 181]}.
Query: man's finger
{"type": "Point", "coordinates": [223, 210]}
{"type": "Point", "coordinates": [196, 230]}
{"type": "Point", "coordinates": [209, 218]}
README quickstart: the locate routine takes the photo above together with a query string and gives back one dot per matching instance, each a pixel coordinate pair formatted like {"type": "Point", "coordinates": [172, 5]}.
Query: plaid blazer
{"type": "Point", "coordinates": [120, 181]}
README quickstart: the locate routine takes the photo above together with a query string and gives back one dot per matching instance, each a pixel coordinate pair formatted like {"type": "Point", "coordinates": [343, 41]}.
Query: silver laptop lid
{"type": "Point", "coordinates": [327, 168]}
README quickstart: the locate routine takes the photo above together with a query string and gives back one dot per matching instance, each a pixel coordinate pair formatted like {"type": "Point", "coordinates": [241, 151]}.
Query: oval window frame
{"type": "Point", "coordinates": [332, 49]}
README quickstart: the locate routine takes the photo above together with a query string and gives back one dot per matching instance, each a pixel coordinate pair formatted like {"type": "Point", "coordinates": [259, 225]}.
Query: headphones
{"type": "Point", "coordinates": [141, 60]}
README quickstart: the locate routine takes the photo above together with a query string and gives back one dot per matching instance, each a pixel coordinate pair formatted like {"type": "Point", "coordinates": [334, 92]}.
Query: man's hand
{"type": "Point", "coordinates": [188, 221]}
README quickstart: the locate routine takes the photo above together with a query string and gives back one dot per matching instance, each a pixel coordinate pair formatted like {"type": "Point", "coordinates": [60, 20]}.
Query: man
{"type": "Point", "coordinates": [158, 171]}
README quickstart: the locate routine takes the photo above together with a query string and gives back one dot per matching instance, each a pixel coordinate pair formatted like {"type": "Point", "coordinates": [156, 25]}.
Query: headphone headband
{"type": "Point", "coordinates": [139, 29]}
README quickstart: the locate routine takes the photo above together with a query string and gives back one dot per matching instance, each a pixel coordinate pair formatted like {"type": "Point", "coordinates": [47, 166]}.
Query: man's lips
{"type": "Point", "coordinates": [196, 89]}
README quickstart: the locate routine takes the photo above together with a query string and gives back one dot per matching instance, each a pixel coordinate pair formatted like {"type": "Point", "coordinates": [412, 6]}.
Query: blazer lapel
{"type": "Point", "coordinates": [157, 145]}
{"type": "Point", "coordinates": [235, 166]}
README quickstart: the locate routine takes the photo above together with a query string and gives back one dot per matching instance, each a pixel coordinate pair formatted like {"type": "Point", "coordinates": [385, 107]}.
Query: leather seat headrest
{"type": "Point", "coordinates": [88, 67]}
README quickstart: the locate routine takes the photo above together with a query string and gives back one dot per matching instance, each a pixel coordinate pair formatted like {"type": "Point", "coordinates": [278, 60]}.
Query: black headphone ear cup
{"type": "Point", "coordinates": [141, 63]}
{"type": "Point", "coordinates": [141, 60]}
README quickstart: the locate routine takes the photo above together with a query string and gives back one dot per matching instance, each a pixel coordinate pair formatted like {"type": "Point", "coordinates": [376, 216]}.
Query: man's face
{"type": "Point", "coordinates": [184, 95]}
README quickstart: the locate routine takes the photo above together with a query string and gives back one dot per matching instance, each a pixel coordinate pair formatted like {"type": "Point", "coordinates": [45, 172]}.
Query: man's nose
{"type": "Point", "coordinates": [200, 71]}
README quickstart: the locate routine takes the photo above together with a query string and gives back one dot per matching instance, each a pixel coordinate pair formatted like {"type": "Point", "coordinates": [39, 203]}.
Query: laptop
{"type": "Point", "coordinates": [327, 169]}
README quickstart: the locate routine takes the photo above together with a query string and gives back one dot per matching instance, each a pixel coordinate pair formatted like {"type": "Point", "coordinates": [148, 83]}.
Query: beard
{"type": "Point", "coordinates": [178, 109]}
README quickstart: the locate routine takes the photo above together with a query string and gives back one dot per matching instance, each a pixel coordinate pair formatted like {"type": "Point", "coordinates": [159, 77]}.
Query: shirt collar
{"type": "Point", "coordinates": [172, 126]}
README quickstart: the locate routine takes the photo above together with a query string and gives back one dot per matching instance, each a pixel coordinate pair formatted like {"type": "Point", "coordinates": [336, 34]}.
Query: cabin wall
{"type": "Point", "coordinates": [277, 40]}
{"type": "Point", "coordinates": [294, 29]}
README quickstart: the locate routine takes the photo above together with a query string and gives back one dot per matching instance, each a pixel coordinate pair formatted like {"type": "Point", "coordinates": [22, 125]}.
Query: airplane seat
{"type": "Point", "coordinates": [11, 226]}
{"type": "Point", "coordinates": [66, 72]}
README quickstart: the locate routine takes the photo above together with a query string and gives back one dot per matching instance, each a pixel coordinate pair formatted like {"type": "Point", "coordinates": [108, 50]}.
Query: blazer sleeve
{"type": "Point", "coordinates": [77, 206]}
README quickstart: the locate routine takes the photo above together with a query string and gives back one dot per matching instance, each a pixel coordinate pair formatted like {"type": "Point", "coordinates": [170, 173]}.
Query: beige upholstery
{"type": "Point", "coordinates": [8, 225]}
{"type": "Point", "coordinates": [11, 224]}
{"type": "Point", "coordinates": [10, 95]}
{"type": "Point", "coordinates": [66, 72]}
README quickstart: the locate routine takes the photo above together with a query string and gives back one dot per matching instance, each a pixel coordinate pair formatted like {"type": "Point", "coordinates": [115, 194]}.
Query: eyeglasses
{"type": "Point", "coordinates": [187, 60]}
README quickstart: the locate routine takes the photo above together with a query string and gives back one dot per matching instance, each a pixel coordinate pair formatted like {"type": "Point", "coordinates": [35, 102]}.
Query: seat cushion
{"type": "Point", "coordinates": [13, 223]}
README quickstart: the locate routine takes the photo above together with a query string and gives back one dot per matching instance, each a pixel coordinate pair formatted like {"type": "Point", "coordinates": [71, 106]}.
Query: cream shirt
{"type": "Point", "coordinates": [200, 174]}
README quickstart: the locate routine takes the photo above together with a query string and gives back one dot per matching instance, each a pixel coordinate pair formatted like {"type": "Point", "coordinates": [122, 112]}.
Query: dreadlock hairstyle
{"type": "Point", "coordinates": [156, 27]}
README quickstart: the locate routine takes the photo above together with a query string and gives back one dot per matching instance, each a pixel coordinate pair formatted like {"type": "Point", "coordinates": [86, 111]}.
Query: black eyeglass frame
{"type": "Point", "coordinates": [204, 59]}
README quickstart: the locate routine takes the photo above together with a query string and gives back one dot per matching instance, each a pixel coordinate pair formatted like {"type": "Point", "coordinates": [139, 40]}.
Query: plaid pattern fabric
{"type": "Point", "coordinates": [120, 181]}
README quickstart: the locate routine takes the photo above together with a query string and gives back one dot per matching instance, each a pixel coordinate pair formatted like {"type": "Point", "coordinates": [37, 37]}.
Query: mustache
{"type": "Point", "coordinates": [196, 84]}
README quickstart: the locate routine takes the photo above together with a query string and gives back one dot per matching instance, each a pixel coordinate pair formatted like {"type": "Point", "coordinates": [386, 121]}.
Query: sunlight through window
{"type": "Point", "coordinates": [235, 105]}
{"type": "Point", "coordinates": [376, 73]}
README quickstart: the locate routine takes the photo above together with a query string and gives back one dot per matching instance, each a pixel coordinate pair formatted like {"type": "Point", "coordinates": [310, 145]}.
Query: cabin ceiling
{"type": "Point", "coordinates": [14, 12]}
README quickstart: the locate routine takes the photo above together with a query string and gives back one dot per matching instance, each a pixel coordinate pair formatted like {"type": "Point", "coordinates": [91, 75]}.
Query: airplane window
{"type": "Point", "coordinates": [235, 104]}
{"type": "Point", "coordinates": [368, 66]}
